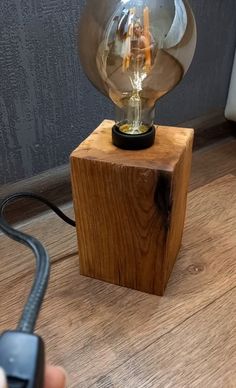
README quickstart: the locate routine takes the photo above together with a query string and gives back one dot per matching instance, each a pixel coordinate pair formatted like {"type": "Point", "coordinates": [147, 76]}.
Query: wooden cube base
{"type": "Point", "coordinates": [130, 207]}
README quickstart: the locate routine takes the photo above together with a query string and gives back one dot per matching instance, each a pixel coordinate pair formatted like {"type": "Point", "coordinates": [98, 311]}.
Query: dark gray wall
{"type": "Point", "coordinates": [46, 104]}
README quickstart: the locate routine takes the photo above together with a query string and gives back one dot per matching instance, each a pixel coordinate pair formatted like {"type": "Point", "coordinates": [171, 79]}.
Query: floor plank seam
{"type": "Point", "coordinates": [67, 256]}
{"type": "Point", "coordinates": [169, 332]}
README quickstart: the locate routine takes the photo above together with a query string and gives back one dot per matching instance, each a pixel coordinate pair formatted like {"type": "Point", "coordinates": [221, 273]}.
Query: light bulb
{"type": "Point", "coordinates": [136, 51]}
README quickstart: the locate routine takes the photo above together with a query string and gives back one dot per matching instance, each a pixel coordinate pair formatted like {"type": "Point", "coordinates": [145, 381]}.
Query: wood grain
{"type": "Point", "coordinates": [194, 362]}
{"type": "Point", "coordinates": [46, 228]}
{"type": "Point", "coordinates": [99, 146]}
{"type": "Point", "coordinates": [130, 207]}
{"type": "Point", "coordinates": [103, 334]}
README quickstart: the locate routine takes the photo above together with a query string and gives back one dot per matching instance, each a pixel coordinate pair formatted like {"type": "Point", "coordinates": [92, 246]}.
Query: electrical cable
{"type": "Point", "coordinates": [32, 307]}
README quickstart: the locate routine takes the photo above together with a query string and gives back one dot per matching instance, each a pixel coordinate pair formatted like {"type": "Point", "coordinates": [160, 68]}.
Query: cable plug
{"type": "Point", "coordinates": [22, 358]}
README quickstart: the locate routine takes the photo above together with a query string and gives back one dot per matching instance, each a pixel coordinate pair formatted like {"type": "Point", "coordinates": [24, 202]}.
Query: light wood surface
{"type": "Point", "coordinates": [163, 155]}
{"type": "Point", "coordinates": [130, 207]}
{"type": "Point", "coordinates": [108, 336]}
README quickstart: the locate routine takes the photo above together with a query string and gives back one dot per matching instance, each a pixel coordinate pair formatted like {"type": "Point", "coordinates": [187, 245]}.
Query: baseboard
{"type": "Point", "coordinates": [56, 186]}
{"type": "Point", "coordinates": [210, 128]}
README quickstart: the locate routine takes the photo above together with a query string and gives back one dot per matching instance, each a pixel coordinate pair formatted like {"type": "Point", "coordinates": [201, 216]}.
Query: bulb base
{"type": "Point", "coordinates": [133, 142]}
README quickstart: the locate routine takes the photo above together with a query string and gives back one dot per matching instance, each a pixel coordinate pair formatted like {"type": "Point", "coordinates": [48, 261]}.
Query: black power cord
{"type": "Point", "coordinates": [21, 352]}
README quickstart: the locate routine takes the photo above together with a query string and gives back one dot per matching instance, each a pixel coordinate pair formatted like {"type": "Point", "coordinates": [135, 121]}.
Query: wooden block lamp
{"type": "Point", "coordinates": [130, 177]}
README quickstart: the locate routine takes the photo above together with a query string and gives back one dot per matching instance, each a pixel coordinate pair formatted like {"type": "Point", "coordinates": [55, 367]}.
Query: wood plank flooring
{"type": "Point", "coordinates": [106, 336]}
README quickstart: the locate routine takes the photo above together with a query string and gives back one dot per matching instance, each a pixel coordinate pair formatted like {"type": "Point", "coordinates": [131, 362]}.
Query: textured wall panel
{"type": "Point", "coordinates": [46, 104]}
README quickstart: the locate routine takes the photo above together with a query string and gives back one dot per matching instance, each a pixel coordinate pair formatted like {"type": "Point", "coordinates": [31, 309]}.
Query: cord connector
{"type": "Point", "coordinates": [22, 358]}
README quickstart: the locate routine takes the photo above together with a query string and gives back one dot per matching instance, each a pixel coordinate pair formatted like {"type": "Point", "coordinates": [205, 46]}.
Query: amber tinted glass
{"type": "Point", "coordinates": [136, 51]}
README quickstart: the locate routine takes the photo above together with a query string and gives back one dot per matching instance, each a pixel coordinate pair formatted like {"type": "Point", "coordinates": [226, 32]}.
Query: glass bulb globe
{"type": "Point", "coordinates": [136, 51]}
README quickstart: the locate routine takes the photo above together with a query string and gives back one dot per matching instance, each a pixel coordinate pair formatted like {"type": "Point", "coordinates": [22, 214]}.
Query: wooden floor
{"type": "Point", "coordinates": [106, 336]}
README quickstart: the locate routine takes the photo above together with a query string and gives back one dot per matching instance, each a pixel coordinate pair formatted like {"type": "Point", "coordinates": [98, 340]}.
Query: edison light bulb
{"type": "Point", "coordinates": [136, 51]}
